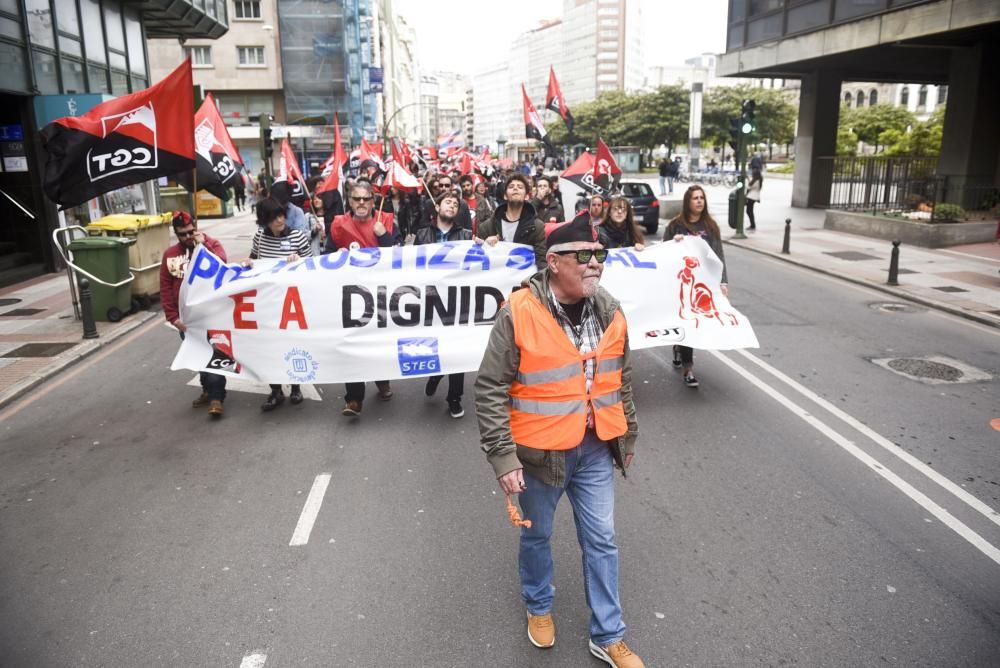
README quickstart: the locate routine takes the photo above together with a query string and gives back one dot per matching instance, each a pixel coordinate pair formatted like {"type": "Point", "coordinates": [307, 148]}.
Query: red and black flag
{"type": "Point", "coordinates": [217, 162]}
{"type": "Point", "coordinates": [333, 168]}
{"type": "Point", "coordinates": [533, 128]}
{"type": "Point", "coordinates": [606, 173]}
{"type": "Point", "coordinates": [131, 139]}
{"type": "Point", "coordinates": [555, 101]}
{"type": "Point", "coordinates": [289, 184]}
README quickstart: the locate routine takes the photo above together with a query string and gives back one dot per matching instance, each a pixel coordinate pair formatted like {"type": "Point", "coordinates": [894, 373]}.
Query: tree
{"type": "Point", "coordinates": [774, 116]}
{"type": "Point", "coordinates": [869, 123]}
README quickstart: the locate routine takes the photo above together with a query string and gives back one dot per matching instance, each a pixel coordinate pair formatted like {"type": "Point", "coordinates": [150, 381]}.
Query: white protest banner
{"type": "Point", "coordinates": [670, 294]}
{"type": "Point", "coordinates": [387, 313]}
{"type": "Point", "coordinates": [362, 314]}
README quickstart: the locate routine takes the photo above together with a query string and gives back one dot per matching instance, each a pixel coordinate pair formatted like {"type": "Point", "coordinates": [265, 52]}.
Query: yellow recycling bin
{"type": "Point", "coordinates": [152, 237]}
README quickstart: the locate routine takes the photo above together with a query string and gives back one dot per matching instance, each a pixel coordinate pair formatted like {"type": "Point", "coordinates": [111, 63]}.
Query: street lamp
{"type": "Point", "coordinates": [501, 142]}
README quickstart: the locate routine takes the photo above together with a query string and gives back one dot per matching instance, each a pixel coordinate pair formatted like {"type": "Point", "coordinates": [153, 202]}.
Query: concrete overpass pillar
{"type": "Point", "coordinates": [819, 111]}
{"type": "Point", "coordinates": [970, 146]}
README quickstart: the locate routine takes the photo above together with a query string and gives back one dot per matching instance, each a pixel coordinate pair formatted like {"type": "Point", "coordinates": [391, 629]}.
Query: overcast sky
{"type": "Point", "coordinates": [465, 35]}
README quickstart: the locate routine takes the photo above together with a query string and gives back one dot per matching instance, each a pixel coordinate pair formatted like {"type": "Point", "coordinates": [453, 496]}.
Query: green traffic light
{"type": "Point", "coordinates": [747, 128]}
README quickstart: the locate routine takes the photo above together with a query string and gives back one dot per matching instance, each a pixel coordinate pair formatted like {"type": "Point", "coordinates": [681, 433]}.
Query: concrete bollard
{"type": "Point", "coordinates": [87, 311]}
{"type": "Point", "coordinates": [788, 237]}
{"type": "Point", "coordinates": [894, 264]}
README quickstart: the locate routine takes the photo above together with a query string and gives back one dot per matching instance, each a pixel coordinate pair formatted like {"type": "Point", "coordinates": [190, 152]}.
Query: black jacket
{"type": "Point", "coordinates": [530, 231]}
{"type": "Point", "coordinates": [428, 235]}
{"type": "Point", "coordinates": [551, 210]}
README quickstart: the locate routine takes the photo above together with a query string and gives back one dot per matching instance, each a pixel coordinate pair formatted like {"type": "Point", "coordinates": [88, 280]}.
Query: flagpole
{"type": "Point", "coordinates": [194, 192]}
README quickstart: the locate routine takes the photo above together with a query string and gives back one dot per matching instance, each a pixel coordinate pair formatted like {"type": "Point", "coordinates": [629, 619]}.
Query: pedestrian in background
{"type": "Point", "coordinates": [753, 195]}
{"type": "Point", "coordinates": [555, 409]}
{"type": "Point", "coordinates": [664, 168]}
{"type": "Point", "coordinates": [694, 220]}
{"type": "Point", "coordinates": [275, 239]}
{"type": "Point", "coordinates": [173, 267]}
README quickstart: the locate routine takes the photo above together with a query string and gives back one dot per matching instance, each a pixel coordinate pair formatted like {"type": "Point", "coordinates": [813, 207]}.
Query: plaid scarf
{"type": "Point", "coordinates": [585, 337]}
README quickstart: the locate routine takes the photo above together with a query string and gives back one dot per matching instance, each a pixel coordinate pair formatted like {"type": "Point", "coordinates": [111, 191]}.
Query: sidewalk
{"type": "Point", "coordinates": [39, 335]}
{"type": "Point", "coordinates": [963, 280]}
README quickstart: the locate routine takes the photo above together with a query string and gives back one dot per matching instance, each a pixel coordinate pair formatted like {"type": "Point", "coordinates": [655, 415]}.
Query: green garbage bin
{"type": "Point", "coordinates": [107, 259]}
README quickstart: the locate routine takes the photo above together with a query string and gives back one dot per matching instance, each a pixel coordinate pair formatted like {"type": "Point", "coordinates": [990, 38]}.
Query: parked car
{"type": "Point", "coordinates": [645, 206]}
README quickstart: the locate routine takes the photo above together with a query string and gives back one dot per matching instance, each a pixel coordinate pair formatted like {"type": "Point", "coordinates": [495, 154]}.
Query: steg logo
{"type": "Point", "coordinates": [142, 122]}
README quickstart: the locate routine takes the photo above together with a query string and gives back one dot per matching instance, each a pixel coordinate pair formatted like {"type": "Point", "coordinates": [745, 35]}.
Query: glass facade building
{"type": "Point", "coordinates": [60, 58]}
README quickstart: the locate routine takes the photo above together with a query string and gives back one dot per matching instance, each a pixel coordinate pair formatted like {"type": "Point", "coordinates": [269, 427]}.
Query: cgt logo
{"type": "Point", "coordinates": [138, 124]}
{"type": "Point", "coordinates": [666, 334]}
{"type": "Point", "coordinates": [418, 356]}
{"type": "Point", "coordinates": [221, 341]}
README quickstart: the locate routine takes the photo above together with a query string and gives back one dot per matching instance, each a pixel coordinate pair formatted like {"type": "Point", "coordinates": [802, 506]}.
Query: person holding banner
{"type": "Point", "coordinates": [514, 220]}
{"type": "Point", "coordinates": [555, 409]}
{"type": "Point", "coordinates": [173, 267]}
{"type": "Point", "coordinates": [546, 202]}
{"type": "Point", "coordinates": [275, 239]}
{"type": "Point", "coordinates": [620, 229]}
{"type": "Point", "coordinates": [445, 230]}
{"type": "Point", "coordinates": [694, 220]}
{"type": "Point", "coordinates": [363, 227]}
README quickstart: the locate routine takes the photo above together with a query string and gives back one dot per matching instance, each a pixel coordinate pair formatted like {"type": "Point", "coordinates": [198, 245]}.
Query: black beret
{"type": "Point", "coordinates": [578, 229]}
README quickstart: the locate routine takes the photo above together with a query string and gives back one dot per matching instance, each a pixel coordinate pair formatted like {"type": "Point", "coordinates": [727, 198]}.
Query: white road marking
{"type": "Point", "coordinates": [255, 660]}
{"type": "Point", "coordinates": [916, 495]}
{"type": "Point", "coordinates": [877, 438]}
{"type": "Point", "coordinates": [250, 387]}
{"type": "Point", "coordinates": [310, 510]}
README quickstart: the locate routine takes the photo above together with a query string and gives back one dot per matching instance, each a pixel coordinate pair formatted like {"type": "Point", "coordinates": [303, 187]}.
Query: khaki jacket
{"type": "Point", "coordinates": [496, 373]}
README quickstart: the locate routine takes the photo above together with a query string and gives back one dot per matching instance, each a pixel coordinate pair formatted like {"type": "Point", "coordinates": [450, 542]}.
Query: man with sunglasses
{"type": "Point", "coordinates": [440, 184]}
{"type": "Point", "coordinates": [173, 267]}
{"type": "Point", "coordinates": [362, 227]}
{"type": "Point", "coordinates": [555, 410]}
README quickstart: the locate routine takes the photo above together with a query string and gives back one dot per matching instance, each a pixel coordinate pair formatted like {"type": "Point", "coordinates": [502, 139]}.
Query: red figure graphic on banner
{"type": "Point", "coordinates": [699, 298]}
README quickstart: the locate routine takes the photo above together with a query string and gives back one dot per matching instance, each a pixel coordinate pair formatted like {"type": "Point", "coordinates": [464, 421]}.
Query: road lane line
{"type": "Point", "coordinates": [962, 494]}
{"type": "Point", "coordinates": [310, 510]}
{"type": "Point", "coordinates": [255, 660]}
{"type": "Point", "coordinates": [916, 495]}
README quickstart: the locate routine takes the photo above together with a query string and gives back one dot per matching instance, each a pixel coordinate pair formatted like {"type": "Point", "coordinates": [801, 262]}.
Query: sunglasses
{"type": "Point", "coordinates": [583, 255]}
{"type": "Point", "coordinates": [184, 235]}
{"type": "Point", "coordinates": [362, 199]}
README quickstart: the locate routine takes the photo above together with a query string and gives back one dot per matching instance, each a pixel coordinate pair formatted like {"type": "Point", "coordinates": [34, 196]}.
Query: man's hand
{"type": "Point", "coordinates": [725, 288]}
{"type": "Point", "coordinates": [492, 241]}
{"type": "Point", "coordinates": [294, 257]}
{"type": "Point", "coordinates": [513, 482]}
{"type": "Point", "coordinates": [628, 460]}
{"type": "Point", "coordinates": [410, 238]}
{"type": "Point", "coordinates": [379, 228]}
{"type": "Point", "coordinates": [199, 237]}
{"type": "Point", "coordinates": [179, 325]}
{"type": "Point", "coordinates": [247, 263]}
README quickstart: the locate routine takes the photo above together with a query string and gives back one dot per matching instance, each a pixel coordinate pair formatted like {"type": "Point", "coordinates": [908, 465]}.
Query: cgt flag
{"type": "Point", "coordinates": [555, 101]}
{"type": "Point", "coordinates": [533, 128]}
{"type": "Point", "coordinates": [606, 174]}
{"type": "Point", "coordinates": [124, 141]}
{"type": "Point", "coordinates": [217, 162]}
{"type": "Point", "coordinates": [333, 168]}
{"type": "Point", "coordinates": [289, 184]}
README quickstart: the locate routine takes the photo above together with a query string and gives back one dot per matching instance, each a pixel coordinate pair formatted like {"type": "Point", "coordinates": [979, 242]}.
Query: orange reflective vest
{"type": "Point", "coordinates": [548, 400]}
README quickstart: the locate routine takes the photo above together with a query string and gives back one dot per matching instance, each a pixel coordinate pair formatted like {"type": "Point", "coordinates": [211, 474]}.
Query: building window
{"type": "Point", "coordinates": [872, 97]}
{"type": "Point", "coordinates": [201, 56]}
{"type": "Point", "coordinates": [250, 56]}
{"type": "Point", "coordinates": [861, 98]}
{"type": "Point", "coordinates": [942, 95]}
{"type": "Point", "coordinates": [904, 96]}
{"type": "Point", "coordinates": [922, 97]}
{"type": "Point", "coordinates": [247, 9]}
{"type": "Point", "coordinates": [847, 98]}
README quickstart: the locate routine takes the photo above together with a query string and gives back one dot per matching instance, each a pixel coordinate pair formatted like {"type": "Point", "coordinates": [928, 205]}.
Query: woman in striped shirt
{"type": "Point", "coordinates": [274, 239]}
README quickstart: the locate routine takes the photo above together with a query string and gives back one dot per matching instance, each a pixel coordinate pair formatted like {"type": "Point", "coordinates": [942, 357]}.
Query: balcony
{"type": "Point", "coordinates": [192, 19]}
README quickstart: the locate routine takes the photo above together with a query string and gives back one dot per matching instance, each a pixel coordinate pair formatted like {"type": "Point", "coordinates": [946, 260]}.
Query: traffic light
{"type": "Point", "coordinates": [747, 117]}
{"type": "Point", "coordinates": [267, 144]}
{"type": "Point", "coordinates": [734, 134]}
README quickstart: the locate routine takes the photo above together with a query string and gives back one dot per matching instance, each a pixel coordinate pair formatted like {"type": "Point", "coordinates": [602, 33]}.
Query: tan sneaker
{"type": "Point", "coordinates": [202, 400]}
{"type": "Point", "coordinates": [616, 654]}
{"type": "Point", "coordinates": [352, 409]}
{"type": "Point", "coordinates": [384, 390]}
{"type": "Point", "coordinates": [541, 630]}
{"type": "Point", "coordinates": [215, 408]}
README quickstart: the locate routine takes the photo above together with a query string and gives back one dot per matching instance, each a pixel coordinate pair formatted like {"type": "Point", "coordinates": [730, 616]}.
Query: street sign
{"type": "Point", "coordinates": [376, 79]}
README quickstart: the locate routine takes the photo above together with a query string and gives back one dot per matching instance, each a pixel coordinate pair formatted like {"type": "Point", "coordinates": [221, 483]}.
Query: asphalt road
{"type": "Point", "coordinates": [834, 514]}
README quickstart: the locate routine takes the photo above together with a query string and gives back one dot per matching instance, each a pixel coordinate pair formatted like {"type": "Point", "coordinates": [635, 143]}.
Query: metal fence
{"type": "Point", "coordinates": [904, 185]}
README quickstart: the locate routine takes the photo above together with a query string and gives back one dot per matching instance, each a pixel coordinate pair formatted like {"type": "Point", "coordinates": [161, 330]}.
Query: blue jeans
{"type": "Point", "coordinates": [589, 485]}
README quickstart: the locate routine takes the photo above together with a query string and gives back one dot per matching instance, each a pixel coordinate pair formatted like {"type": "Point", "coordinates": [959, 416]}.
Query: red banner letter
{"type": "Point", "coordinates": [241, 307]}
{"type": "Point", "coordinates": [292, 310]}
